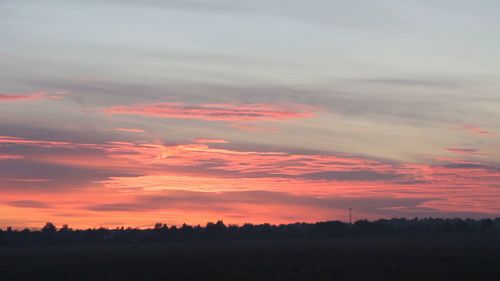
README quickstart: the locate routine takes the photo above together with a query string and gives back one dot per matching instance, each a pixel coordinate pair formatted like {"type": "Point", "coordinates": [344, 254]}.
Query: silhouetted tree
{"type": "Point", "coordinates": [64, 228]}
{"type": "Point", "coordinates": [49, 228]}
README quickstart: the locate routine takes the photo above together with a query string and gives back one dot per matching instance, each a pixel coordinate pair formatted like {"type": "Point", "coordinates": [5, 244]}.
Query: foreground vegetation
{"type": "Point", "coordinates": [475, 257]}
{"type": "Point", "coordinates": [396, 249]}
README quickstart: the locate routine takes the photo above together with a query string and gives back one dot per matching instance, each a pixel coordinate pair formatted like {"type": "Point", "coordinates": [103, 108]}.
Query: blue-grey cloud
{"type": "Point", "coordinates": [28, 204]}
{"type": "Point", "coordinates": [230, 200]}
{"type": "Point", "coordinates": [27, 175]}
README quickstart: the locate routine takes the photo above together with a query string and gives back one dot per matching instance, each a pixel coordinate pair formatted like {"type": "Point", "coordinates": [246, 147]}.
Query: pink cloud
{"type": "Point", "coordinates": [201, 158]}
{"type": "Point", "coordinates": [209, 141]}
{"type": "Point", "coordinates": [6, 97]}
{"type": "Point", "coordinates": [451, 180]}
{"type": "Point", "coordinates": [209, 167]}
{"type": "Point", "coordinates": [31, 96]}
{"type": "Point", "coordinates": [217, 112]}
{"type": "Point", "coordinates": [10, 156]}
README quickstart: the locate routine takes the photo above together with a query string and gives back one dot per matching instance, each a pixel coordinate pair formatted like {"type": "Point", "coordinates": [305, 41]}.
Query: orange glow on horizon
{"type": "Point", "coordinates": [195, 183]}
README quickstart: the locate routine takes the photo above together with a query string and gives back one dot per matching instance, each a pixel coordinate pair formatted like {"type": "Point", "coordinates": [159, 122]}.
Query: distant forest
{"type": "Point", "coordinates": [396, 227]}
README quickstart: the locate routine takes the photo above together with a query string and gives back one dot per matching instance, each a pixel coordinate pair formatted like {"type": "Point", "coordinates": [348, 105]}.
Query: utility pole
{"type": "Point", "coordinates": [350, 216]}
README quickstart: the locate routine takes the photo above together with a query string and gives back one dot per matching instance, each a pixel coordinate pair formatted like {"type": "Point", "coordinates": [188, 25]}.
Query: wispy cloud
{"type": "Point", "coordinates": [209, 141]}
{"type": "Point", "coordinates": [217, 112]}
{"type": "Point", "coordinates": [464, 151]}
{"type": "Point", "coordinates": [251, 163]}
{"type": "Point", "coordinates": [129, 130]}
{"type": "Point", "coordinates": [474, 129]}
{"type": "Point", "coordinates": [11, 97]}
{"type": "Point", "coordinates": [28, 204]}
{"type": "Point", "coordinates": [10, 156]}
{"type": "Point", "coordinates": [32, 96]}
{"type": "Point", "coordinates": [22, 141]}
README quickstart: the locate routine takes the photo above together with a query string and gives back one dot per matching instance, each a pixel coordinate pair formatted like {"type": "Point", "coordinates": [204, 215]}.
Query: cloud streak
{"type": "Point", "coordinates": [464, 151]}
{"type": "Point", "coordinates": [11, 97]}
{"type": "Point", "coordinates": [216, 112]}
{"type": "Point", "coordinates": [475, 130]}
{"type": "Point", "coordinates": [129, 130]}
{"type": "Point", "coordinates": [28, 204]}
{"type": "Point", "coordinates": [31, 96]}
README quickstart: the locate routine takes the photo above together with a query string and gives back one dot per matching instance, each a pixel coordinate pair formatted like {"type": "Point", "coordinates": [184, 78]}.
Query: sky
{"type": "Point", "coordinates": [126, 113]}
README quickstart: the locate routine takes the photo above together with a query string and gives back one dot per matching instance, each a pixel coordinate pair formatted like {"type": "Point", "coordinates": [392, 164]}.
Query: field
{"type": "Point", "coordinates": [476, 258]}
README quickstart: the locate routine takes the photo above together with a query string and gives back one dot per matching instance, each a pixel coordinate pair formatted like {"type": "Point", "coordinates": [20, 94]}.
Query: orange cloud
{"type": "Point", "coordinates": [88, 184]}
{"type": "Point", "coordinates": [217, 112]}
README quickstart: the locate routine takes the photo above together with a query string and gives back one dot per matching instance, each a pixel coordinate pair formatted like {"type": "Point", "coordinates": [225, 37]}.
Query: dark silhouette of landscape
{"type": "Point", "coordinates": [400, 227]}
{"type": "Point", "coordinates": [394, 249]}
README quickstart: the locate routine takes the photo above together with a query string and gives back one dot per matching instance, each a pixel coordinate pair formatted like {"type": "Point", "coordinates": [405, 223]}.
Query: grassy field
{"type": "Point", "coordinates": [476, 258]}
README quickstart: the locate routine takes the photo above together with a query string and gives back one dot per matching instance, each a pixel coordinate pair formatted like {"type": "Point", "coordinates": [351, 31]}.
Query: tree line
{"type": "Point", "coordinates": [395, 227]}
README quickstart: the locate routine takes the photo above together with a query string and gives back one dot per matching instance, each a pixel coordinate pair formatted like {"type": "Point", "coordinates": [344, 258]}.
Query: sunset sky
{"type": "Point", "coordinates": [128, 112]}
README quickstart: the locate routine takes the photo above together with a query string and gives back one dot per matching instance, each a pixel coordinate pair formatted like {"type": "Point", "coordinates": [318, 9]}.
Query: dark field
{"type": "Point", "coordinates": [455, 258]}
